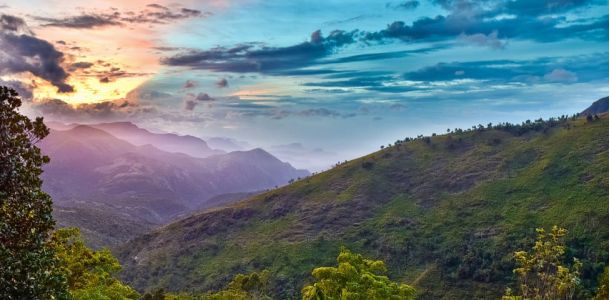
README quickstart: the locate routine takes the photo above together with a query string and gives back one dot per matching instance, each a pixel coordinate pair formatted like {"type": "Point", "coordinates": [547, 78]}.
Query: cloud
{"type": "Point", "coordinates": [152, 14]}
{"type": "Point", "coordinates": [408, 5]}
{"type": "Point", "coordinates": [522, 71]}
{"type": "Point", "coordinates": [111, 73]}
{"type": "Point", "coordinates": [83, 21]}
{"type": "Point", "coordinates": [483, 23]}
{"type": "Point", "coordinates": [21, 52]}
{"type": "Point", "coordinates": [190, 104]}
{"type": "Point", "coordinates": [24, 90]}
{"type": "Point", "coordinates": [560, 75]}
{"type": "Point", "coordinates": [107, 110]}
{"type": "Point", "coordinates": [462, 75]}
{"type": "Point", "coordinates": [192, 100]}
{"type": "Point", "coordinates": [307, 113]}
{"type": "Point", "coordinates": [479, 39]}
{"type": "Point", "coordinates": [359, 80]}
{"type": "Point", "coordinates": [483, 17]}
{"type": "Point", "coordinates": [203, 97]}
{"type": "Point", "coordinates": [222, 83]}
{"type": "Point", "coordinates": [244, 58]}
{"type": "Point", "coordinates": [189, 84]}
{"type": "Point", "coordinates": [81, 65]}
{"type": "Point", "coordinates": [13, 24]}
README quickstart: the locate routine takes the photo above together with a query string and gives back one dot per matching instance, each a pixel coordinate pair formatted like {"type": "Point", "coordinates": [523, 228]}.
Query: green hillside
{"type": "Point", "coordinates": [445, 213]}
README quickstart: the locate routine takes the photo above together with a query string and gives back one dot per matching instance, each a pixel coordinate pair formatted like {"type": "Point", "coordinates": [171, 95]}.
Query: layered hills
{"type": "Point", "coordinates": [93, 169]}
{"type": "Point", "coordinates": [445, 212]}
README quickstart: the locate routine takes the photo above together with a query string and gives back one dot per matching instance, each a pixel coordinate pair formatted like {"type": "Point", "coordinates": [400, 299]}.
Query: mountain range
{"type": "Point", "coordinates": [444, 212]}
{"type": "Point", "coordinates": [118, 167]}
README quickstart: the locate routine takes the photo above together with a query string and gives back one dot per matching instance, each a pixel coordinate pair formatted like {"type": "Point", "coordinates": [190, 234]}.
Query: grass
{"type": "Point", "coordinates": [446, 216]}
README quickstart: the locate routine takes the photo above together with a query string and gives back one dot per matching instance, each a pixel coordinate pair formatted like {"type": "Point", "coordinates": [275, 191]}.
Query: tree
{"type": "Point", "coordinates": [28, 268]}
{"type": "Point", "coordinates": [355, 278]}
{"type": "Point", "coordinates": [589, 118]}
{"type": "Point", "coordinates": [90, 274]}
{"type": "Point", "coordinates": [541, 273]}
{"type": "Point", "coordinates": [159, 294]}
{"type": "Point", "coordinates": [244, 287]}
{"type": "Point", "coordinates": [602, 286]}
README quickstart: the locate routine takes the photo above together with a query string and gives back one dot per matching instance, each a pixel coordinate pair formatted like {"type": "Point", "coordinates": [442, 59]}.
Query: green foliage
{"type": "Point", "coordinates": [160, 294]}
{"type": "Point", "coordinates": [27, 265]}
{"type": "Point", "coordinates": [542, 276]}
{"type": "Point", "coordinates": [355, 278]}
{"type": "Point", "coordinates": [445, 217]}
{"type": "Point", "coordinates": [90, 274]}
{"type": "Point", "coordinates": [602, 286]}
{"type": "Point", "coordinates": [244, 287]}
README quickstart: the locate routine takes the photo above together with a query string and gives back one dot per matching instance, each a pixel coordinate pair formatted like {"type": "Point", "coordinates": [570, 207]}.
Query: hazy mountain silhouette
{"type": "Point", "coordinates": [90, 165]}
{"type": "Point", "coordinates": [169, 142]}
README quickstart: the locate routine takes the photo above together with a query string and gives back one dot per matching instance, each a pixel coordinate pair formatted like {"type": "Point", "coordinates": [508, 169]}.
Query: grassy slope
{"type": "Point", "coordinates": [445, 216]}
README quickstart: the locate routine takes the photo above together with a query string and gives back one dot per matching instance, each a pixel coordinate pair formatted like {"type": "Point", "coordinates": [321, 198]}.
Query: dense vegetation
{"type": "Point", "coordinates": [28, 266]}
{"type": "Point", "coordinates": [444, 212]}
{"type": "Point", "coordinates": [541, 272]}
{"type": "Point", "coordinates": [36, 263]}
{"type": "Point", "coordinates": [448, 214]}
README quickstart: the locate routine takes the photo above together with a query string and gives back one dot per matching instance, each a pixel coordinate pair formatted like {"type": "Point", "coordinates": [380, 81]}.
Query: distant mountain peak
{"type": "Point", "coordinates": [86, 129]}
{"type": "Point", "coordinates": [170, 142]}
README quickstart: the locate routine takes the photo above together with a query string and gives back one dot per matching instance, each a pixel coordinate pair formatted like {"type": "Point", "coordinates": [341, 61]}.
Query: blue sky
{"type": "Point", "coordinates": [339, 78]}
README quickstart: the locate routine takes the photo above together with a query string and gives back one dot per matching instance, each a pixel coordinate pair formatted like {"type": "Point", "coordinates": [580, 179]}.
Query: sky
{"type": "Point", "coordinates": [314, 82]}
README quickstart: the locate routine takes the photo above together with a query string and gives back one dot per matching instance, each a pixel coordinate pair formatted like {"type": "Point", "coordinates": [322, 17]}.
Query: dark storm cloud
{"type": "Point", "coordinates": [153, 14]}
{"type": "Point", "coordinates": [21, 52]}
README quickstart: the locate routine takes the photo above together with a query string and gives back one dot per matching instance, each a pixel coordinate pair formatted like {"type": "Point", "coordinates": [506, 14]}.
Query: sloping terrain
{"type": "Point", "coordinates": [598, 107]}
{"type": "Point", "coordinates": [102, 225]}
{"type": "Point", "coordinates": [445, 213]}
{"type": "Point", "coordinates": [92, 167]}
{"type": "Point", "coordinates": [168, 142]}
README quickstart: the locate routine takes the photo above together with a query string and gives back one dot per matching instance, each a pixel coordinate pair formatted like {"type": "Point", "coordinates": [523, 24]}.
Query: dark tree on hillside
{"type": "Point", "coordinates": [28, 269]}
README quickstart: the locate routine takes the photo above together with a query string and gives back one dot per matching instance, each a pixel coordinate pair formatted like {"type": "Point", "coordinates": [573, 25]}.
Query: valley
{"type": "Point", "coordinates": [137, 186]}
{"type": "Point", "coordinates": [445, 212]}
